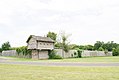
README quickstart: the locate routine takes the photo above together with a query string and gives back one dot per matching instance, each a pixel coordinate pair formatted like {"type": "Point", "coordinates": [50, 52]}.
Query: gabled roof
{"type": "Point", "coordinates": [40, 38]}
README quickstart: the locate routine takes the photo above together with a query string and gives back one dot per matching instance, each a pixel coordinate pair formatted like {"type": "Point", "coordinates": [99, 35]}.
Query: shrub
{"type": "Point", "coordinates": [101, 49]}
{"type": "Point", "coordinates": [79, 53]}
{"type": "Point", "coordinates": [52, 55]}
{"type": "Point", "coordinates": [57, 57]}
{"type": "Point", "coordinates": [23, 50]}
{"type": "Point", "coordinates": [0, 49]}
{"type": "Point", "coordinates": [115, 51]}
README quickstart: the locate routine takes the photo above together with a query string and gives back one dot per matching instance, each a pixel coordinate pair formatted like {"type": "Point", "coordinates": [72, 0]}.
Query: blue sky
{"type": "Point", "coordinates": [87, 20]}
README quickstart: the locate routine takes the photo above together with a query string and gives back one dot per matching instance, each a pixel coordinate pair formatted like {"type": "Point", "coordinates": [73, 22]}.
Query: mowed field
{"type": "Point", "coordinates": [31, 72]}
{"type": "Point", "coordinates": [84, 59]}
{"type": "Point", "coordinates": [27, 72]}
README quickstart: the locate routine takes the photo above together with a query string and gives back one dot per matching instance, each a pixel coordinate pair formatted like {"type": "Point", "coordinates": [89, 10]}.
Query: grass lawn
{"type": "Point", "coordinates": [84, 59]}
{"type": "Point", "coordinates": [25, 72]}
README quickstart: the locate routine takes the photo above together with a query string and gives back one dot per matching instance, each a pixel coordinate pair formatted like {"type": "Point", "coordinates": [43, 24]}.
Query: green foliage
{"type": "Point", "coordinates": [57, 57]}
{"type": "Point", "coordinates": [0, 49]}
{"type": "Point", "coordinates": [23, 50]}
{"type": "Point", "coordinates": [101, 46]}
{"type": "Point", "coordinates": [73, 46]}
{"type": "Point", "coordinates": [52, 35]}
{"type": "Point", "coordinates": [82, 47]}
{"type": "Point", "coordinates": [52, 55]}
{"type": "Point", "coordinates": [6, 46]}
{"type": "Point", "coordinates": [101, 49]}
{"type": "Point", "coordinates": [79, 53]}
{"type": "Point", "coordinates": [88, 47]}
{"type": "Point", "coordinates": [66, 47]}
{"type": "Point", "coordinates": [58, 45]}
{"type": "Point", "coordinates": [64, 43]}
{"type": "Point", "coordinates": [97, 45]}
{"type": "Point", "coordinates": [109, 45]}
{"type": "Point", "coordinates": [61, 44]}
{"type": "Point", "coordinates": [116, 51]}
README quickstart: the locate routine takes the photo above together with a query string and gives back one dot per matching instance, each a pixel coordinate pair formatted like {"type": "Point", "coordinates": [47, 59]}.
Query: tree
{"type": "Point", "coordinates": [109, 45]}
{"type": "Point", "coordinates": [64, 42]}
{"type": "Point", "coordinates": [101, 49]}
{"type": "Point", "coordinates": [82, 47]}
{"type": "Point", "coordinates": [52, 35]}
{"type": "Point", "coordinates": [58, 45]}
{"type": "Point", "coordinates": [6, 46]}
{"type": "Point", "coordinates": [73, 46]}
{"type": "Point", "coordinates": [0, 49]}
{"type": "Point", "coordinates": [52, 55]}
{"type": "Point", "coordinates": [115, 51]}
{"type": "Point", "coordinates": [89, 47]}
{"type": "Point", "coordinates": [97, 45]}
{"type": "Point", "coordinates": [23, 50]}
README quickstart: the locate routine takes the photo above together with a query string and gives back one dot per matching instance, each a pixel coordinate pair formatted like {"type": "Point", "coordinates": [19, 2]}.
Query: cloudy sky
{"type": "Point", "coordinates": [87, 20]}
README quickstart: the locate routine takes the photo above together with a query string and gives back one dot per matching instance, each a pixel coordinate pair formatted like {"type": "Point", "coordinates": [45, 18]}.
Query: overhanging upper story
{"type": "Point", "coordinates": [40, 43]}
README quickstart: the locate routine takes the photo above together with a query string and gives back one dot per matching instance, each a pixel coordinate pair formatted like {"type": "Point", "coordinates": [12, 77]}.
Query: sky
{"type": "Point", "coordinates": [87, 21]}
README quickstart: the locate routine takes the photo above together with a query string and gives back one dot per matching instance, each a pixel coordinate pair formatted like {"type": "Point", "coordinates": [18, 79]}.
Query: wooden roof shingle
{"type": "Point", "coordinates": [40, 38]}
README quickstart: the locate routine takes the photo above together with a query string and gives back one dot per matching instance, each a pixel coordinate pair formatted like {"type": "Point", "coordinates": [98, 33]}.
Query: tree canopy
{"type": "Point", "coordinates": [52, 35]}
{"type": "Point", "coordinates": [6, 46]}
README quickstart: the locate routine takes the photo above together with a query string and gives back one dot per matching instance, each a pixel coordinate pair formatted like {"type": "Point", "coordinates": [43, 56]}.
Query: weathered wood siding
{"type": "Point", "coordinates": [45, 45]}
{"type": "Point", "coordinates": [35, 55]}
{"type": "Point", "coordinates": [32, 44]}
{"type": "Point", "coordinates": [43, 55]}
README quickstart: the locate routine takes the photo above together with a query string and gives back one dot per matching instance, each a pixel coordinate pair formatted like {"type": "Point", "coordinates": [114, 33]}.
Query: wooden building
{"type": "Point", "coordinates": [40, 46]}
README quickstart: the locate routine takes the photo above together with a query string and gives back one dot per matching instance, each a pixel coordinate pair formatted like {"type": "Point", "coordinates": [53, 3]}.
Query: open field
{"type": "Point", "coordinates": [25, 72]}
{"type": "Point", "coordinates": [87, 59]}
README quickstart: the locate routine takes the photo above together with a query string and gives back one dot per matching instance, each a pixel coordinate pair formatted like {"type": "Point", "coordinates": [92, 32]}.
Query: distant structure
{"type": "Point", "coordinates": [9, 53]}
{"type": "Point", "coordinates": [40, 46]}
{"type": "Point", "coordinates": [86, 53]}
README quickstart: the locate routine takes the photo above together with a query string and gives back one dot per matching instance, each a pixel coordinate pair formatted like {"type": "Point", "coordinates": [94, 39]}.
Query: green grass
{"type": "Point", "coordinates": [25, 72]}
{"type": "Point", "coordinates": [86, 59]}
{"type": "Point", "coordinates": [93, 59]}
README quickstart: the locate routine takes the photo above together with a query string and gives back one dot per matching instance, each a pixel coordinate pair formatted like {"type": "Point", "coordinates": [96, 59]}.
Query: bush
{"type": "Point", "coordinates": [0, 49]}
{"type": "Point", "coordinates": [23, 50]}
{"type": "Point", "coordinates": [57, 57]}
{"type": "Point", "coordinates": [79, 53]}
{"type": "Point", "coordinates": [101, 49]}
{"type": "Point", "coordinates": [52, 55]}
{"type": "Point", "coordinates": [115, 52]}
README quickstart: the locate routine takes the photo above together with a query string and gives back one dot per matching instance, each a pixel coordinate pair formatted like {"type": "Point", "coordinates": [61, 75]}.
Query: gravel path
{"type": "Point", "coordinates": [57, 63]}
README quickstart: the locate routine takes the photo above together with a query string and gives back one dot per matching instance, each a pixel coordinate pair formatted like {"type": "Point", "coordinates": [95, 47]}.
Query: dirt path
{"type": "Point", "coordinates": [7, 61]}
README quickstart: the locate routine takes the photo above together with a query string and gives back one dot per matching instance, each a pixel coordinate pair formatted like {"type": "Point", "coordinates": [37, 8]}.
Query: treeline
{"type": "Point", "coordinates": [61, 41]}
{"type": "Point", "coordinates": [99, 46]}
{"type": "Point", "coordinates": [5, 46]}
